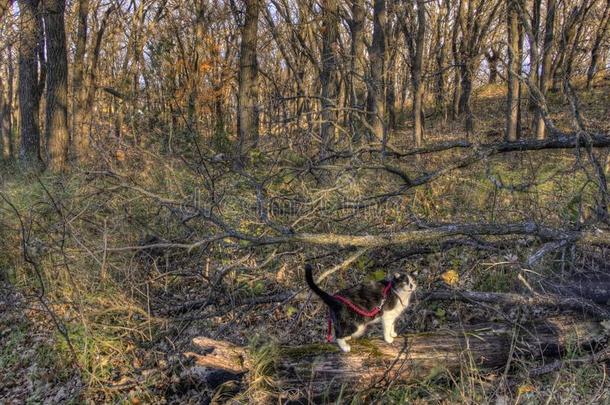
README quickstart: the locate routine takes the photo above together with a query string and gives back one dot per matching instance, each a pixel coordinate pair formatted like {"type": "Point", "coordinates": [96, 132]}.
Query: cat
{"type": "Point", "coordinates": [349, 324]}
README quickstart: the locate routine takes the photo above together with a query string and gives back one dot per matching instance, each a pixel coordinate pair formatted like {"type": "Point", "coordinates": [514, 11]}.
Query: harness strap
{"type": "Point", "coordinates": [359, 310]}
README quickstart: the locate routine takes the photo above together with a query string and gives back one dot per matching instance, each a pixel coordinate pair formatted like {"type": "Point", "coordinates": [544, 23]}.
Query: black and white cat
{"type": "Point", "coordinates": [349, 324]}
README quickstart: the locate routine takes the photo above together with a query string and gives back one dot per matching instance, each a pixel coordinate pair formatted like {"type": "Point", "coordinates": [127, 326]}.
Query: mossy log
{"type": "Point", "coordinates": [317, 370]}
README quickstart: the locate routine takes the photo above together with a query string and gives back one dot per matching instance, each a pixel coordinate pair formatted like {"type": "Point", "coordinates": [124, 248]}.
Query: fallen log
{"type": "Point", "coordinates": [573, 302]}
{"type": "Point", "coordinates": [595, 291]}
{"type": "Point", "coordinates": [319, 371]}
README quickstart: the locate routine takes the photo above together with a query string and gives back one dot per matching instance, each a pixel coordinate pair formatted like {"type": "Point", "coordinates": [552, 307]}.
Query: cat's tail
{"type": "Point", "coordinates": [326, 297]}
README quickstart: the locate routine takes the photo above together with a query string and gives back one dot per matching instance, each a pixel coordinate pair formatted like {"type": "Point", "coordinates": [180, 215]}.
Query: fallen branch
{"type": "Point", "coordinates": [544, 300]}
{"type": "Point", "coordinates": [439, 233]}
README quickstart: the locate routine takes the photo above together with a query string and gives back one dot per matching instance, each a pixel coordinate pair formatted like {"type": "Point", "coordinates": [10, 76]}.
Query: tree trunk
{"type": "Point", "coordinates": [29, 85]}
{"type": "Point", "coordinates": [5, 116]}
{"type": "Point", "coordinates": [466, 74]}
{"type": "Point", "coordinates": [512, 100]}
{"type": "Point", "coordinates": [534, 63]}
{"type": "Point", "coordinates": [320, 372]}
{"type": "Point", "coordinates": [416, 75]}
{"type": "Point", "coordinates": [545, 71]}
{"type": "Point", "coordinates": [439, 54]}
{"type": "Point", "coordinates": [10, 98]}
{"type": "Point", "coordinates": [599, 38]}
{"type": "Point", "coordinates": [91, 84]}
{"type": "Point", "coordinates": [328, 74]}
{"type": "Point", "coordinates": [3, 121]}
{"type": "Point", "coordinates": [492, 58]}
{"type": "Point", "coordinates": [455, 51]}
{"type": "Point", "coordinates": [56, 121]}
{"type": "Point", "coordinates": [79, 92]}
{"type": "Point", "coordinates": [376, 97]}
{"type": "Point", "coordinates": [247, 100]}
{"type": "Point", "coordinates": [357, 67]}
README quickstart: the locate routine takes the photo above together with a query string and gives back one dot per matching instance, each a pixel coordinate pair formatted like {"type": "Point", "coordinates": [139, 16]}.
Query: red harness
{"type": "Point", "coordinates": [360, 311]}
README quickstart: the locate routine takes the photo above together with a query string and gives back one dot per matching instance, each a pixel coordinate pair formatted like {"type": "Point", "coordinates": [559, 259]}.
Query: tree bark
{"type": "Point", "coordinates": [457, 60]}
{"type": "Point", "coordinates": [466, 73]}
{"type": "Point", "coordinates": [599, 38]}
{"type": "Point", "coordinates": [56, 119]}
{"type": "Point", "coordinates": [357, 66]}
{"type": "Point", "coordinates": [418, 85]}
{"type": "Point", "coordinates": [320, 372]}
{"type": "Point", "coordinates": [328, 74]}
{"type": "Point", "coordinates": [247, 102]}
{"type": "Point", "coordinates": [10, 103]}
{"type": "Point", "coordinates": [534, 69]}
{"type": "Point", "coordinates": [79, 91]}
{"type": "Point", "coordinates": [29, 83]}
{"type": "Point", "coordinates": [546, 69]}
{"type": "Point", "coordinates": [514, 65]}
{"type": "Point", "coordinates": [91, 83]}
{"type": "Point", "coordinates": [5, 116]}
{"type": "Point", "coordinates": [492, 58]}
{"type": "Point", "coordinates": [440, 56]}
{"type": "Point", "coordinates": [376, 97]}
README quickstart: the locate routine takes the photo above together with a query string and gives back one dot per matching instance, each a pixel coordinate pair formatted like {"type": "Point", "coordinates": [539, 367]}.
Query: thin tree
{"type": "Point", "coordinates": [376, 96]}
{"type": "Point", "coordinates": [30, 83]}
{"type": "Point", "coordinates": [5, 115]}
{"type": "Point", "coordinates": [247, 99]}
{"type": "Point", "coordinates": [514, 64]}
{"type": "Point", "coordinates": [600, 35]}
{"type": "Point", "coordinates": [546, 68]}
{"type": "Point", "coordinates": [357, 64]}
{"type": "Point", "coordinates": [79, 90]}
{"type": "Point", "coordinates": [415, 34]}
{"type": "Point", "coordinates": [328, 74]}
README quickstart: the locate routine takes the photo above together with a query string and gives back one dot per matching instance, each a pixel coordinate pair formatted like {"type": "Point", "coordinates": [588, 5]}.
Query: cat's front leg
{"type": "Point", "coordinates": [388, 327]}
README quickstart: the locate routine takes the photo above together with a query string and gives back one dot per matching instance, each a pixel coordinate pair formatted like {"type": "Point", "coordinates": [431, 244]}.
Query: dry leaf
{"type": "Point", "coordinates": [451, 277]}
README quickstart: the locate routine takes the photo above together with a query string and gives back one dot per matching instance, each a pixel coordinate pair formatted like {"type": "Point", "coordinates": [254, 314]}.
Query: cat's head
{"type": "Point", "coordinates": [403, 281]}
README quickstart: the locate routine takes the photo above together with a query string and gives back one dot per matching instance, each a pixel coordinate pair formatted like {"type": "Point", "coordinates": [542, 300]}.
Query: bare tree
{"type": "Point", "coordinates": [30, 82]}
{"type": "Point", "coordinates": [79, 91]}
{"type": "Point", "coordinates": [357, 63]}
{"type": "Point", "coordinates": [514, 68]}
{"type": "Point", "coordinates": [56, 122]}
{"type": "Point", "coordinates": [546, 68]}
{"type": "Point", "coordinates": [493, 59]}
{"type": "Point", "coordinates": [415, 35]}
{"type": "Point", "coordinates": [377, 52]}
{"type": "Point", "coordinates": [247, 115]}
{"type": "Point", "coordinates": [600, 35]}
{"type": "Point", "coordinates": [440, 41]}
{"type": "Point", "coordinates": [6, 130]}
{"type": "Point", "coordinates": [328, 74]}
{"type": "Point", "coordinates": [474, 19]}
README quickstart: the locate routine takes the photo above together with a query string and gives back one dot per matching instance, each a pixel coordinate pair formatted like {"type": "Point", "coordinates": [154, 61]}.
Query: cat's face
{"type": "Point", "coordinates": [403, 281]}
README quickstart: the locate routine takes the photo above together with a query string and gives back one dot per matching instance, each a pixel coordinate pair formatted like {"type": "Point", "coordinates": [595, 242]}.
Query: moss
{"type": "Point", "coordinates": [366, 346]}
{"type": "Point", "coordinates": [308, 350]}
{"type": "Point", "coordinates": [359, 346]}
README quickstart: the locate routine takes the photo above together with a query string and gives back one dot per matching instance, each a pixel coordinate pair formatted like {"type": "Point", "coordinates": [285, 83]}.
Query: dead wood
{"type": "Point", "coordinates": [321, 370]}
{"type": "Point", "coordinates": [571, 301]}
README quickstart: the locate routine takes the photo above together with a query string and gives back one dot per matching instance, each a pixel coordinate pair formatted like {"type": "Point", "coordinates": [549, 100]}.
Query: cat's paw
{"type": "Point", "coordinates": [343, 345]}
{"type": "Point", "coordinates": [393, 334]}
{"type": "Point", "coordinates": [388, 339]}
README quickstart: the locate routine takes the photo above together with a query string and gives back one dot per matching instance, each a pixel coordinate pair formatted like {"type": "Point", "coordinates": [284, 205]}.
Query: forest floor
{"type": "Point", "coordinates": [32, 369]}
{"type": "Point", "coordinates": [126, 313]}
